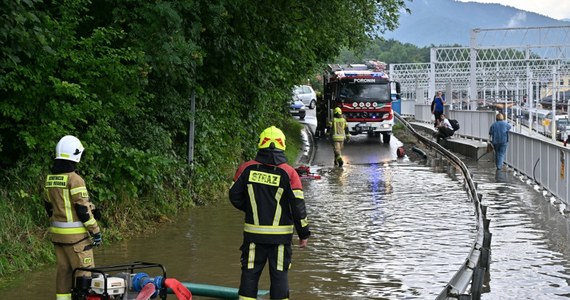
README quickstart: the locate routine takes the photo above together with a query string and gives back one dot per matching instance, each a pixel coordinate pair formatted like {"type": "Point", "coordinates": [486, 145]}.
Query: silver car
{"type": "Point", "coordinates": [306, 94]}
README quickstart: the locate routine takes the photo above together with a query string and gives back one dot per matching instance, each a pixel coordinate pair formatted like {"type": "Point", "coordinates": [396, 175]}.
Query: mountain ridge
{"type": "Point", "coordinates": [449, 22]}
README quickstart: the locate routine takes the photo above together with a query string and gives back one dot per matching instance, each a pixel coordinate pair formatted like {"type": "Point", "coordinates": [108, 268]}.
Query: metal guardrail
{"type": "Point", "coordinates": [474, 123]}
{"type": "Point", "coordinates": [472, 271]}
{"type": "Point", "coordinates": [533, 155]}
{"type": "Point", "coordinates": [543, 161]}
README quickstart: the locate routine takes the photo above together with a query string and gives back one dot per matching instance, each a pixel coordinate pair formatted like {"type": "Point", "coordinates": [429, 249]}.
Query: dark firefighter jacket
{"type": "Point", "coordinates": [69, 208]}
{"type": "Point", "coordinates": [270, 193]}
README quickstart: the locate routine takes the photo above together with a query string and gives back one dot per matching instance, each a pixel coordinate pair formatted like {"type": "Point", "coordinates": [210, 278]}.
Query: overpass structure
{"type": "Point", "coordinates": [505, 65]}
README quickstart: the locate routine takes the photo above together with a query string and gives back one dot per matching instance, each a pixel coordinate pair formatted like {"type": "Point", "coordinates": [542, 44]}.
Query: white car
{"type": "Point", "coordinates": [306, 94]}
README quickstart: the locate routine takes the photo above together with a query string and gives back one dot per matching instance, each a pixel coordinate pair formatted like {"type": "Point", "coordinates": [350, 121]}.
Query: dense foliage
{"type": "Point", "coordinates": [120, 75]}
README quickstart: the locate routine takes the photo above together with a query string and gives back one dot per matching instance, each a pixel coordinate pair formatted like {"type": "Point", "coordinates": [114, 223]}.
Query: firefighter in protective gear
{"type": "Point", "coordinates": [270, 193]}
{"type": "Point", "coordinates": [339, 132]}
{"type": "Point", "coordinates": [73, 230]}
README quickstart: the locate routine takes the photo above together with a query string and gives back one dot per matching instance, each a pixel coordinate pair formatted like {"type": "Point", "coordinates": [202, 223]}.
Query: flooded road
{"type": "Point", "coordinates": [376, 235]}
{"type": "Point", "coordinates": [380, 235]}
{"type": "Point", "coordinates": [382, 228]}
{"type": "Point", "coordinates": [530, 248]}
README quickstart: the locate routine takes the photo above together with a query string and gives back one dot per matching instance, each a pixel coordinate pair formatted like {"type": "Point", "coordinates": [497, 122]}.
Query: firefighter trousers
{"type": "Point", "coordinates": [337, 149]}
{"type": "Point", "coordinates": [69, 257]}
{"type": "Point", "coordinates": [253, 259]}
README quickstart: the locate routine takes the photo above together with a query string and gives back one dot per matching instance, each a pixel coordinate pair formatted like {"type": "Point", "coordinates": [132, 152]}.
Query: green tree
{"type": "Point", "coordinates": [119, 75]}
{"type": "Point", "coordinates": [389, 51]}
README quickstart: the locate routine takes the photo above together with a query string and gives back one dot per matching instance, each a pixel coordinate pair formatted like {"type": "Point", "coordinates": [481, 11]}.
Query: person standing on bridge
{"type": "Point", "coordinates": [499, 132]}
{"type": "Point", "coordinates": [270, 193]}
{"type": "Point", "coordinates": [74, 230]}
{"type": "Point", "coordinates": [437, 106]}
{"type": "Point", "coordinates": [339, 133]}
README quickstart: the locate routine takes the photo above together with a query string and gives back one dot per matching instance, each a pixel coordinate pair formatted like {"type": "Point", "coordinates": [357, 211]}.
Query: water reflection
{"type": "Point", "coordinates": [501, 176]}
{"type": "Point", "coordinates": [530, 246]}
{"type": "Point", "coordinates": [384, 231]}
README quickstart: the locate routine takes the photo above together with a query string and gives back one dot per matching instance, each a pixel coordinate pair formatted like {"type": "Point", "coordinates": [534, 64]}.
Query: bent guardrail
{"type": "Point", "coordinates": [473, 270]}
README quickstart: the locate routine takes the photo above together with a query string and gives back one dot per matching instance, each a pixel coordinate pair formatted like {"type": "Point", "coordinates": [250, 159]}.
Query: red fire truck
{"type": "Point", "coordinates": [364, 93]}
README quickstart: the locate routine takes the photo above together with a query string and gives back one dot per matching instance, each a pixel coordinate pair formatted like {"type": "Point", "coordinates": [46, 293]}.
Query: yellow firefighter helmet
{"type": "Point", "coordinates": [271, 137]}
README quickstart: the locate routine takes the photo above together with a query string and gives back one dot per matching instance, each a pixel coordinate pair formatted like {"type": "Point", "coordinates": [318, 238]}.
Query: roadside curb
{"type": "Point", "coordinates": [308, 147]}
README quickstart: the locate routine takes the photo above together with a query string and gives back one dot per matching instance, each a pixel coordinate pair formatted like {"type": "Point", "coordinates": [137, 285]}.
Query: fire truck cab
{"type": "Point", "coordinates": [364, 93]}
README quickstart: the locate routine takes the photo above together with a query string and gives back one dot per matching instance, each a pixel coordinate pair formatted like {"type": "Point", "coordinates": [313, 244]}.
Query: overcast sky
{"type": "Point", "coordinates": [556, 9]}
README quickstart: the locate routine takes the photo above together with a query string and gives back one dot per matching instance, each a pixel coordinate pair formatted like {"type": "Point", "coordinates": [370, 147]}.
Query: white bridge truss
{"type": "Point", "coordinates": [500, 65]}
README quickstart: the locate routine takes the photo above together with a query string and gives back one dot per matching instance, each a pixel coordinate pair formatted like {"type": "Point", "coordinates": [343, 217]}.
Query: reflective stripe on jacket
{"type": "Point", "coordinates": [66, 192]}
{"type": "Point", "coordinates": [273, 201]}
{"type": "Point", "coordinates": [338, 126]}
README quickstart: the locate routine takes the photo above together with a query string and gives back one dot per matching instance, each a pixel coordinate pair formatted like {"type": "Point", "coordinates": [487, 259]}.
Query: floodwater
{"type": "Point", "coordinates": [530, 247]}
{"type": "Point", "coordinates": [392, 230]}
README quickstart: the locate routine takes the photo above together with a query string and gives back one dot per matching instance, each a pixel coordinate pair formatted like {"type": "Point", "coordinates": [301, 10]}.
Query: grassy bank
{"type": "Point", "coordinates": [24, 244]}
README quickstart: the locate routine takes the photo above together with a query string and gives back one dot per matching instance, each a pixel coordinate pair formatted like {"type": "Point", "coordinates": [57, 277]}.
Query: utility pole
{"type": "Point", "coordinates": [191, 129]}
{"type": "Point", "coordinates": [555, 87]}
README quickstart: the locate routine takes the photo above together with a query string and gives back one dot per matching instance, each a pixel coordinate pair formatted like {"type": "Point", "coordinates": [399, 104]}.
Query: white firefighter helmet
{"type": "Point", "coordinates": [69, 148]}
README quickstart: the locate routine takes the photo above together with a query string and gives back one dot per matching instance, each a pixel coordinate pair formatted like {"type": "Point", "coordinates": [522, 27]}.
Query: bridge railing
{"type": "Point", "coordinates": [474, 124]}
{"type": "Point", "coordinates": [540, 159]}
{"type": "Point", "coordinates": [543, 161]}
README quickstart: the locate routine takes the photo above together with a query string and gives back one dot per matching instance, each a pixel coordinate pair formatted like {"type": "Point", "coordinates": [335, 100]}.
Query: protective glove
{"type": "Point", "coordinates": [347, 139]}
{"type": "Point", "coordinates": [96, 214]}
{"type": "Point", "coordinates": [97, 239]}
